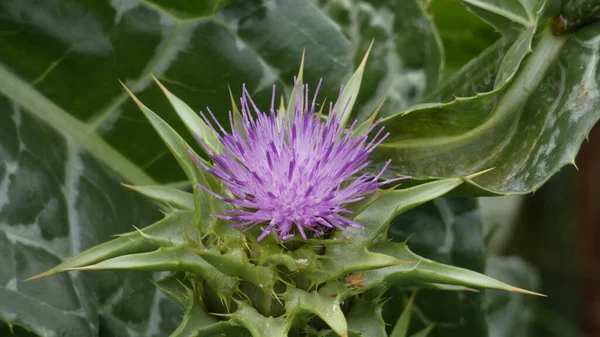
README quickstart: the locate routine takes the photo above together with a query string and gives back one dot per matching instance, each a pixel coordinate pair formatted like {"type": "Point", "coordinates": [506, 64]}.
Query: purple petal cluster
{"type": "Point", "coordinates": [292, 173]}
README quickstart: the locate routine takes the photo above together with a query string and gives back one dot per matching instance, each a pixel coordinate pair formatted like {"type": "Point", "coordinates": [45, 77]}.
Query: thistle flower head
{"type": "Point", "coordinates": [294, 172]}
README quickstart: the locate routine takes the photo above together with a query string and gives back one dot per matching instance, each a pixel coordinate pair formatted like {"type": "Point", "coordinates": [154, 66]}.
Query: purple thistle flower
{"type": "Point", "coordinates": [292, 173]}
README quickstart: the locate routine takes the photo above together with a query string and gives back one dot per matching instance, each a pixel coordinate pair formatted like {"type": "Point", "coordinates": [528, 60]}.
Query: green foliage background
{"type": "Point", "coordinates": [468, 85]}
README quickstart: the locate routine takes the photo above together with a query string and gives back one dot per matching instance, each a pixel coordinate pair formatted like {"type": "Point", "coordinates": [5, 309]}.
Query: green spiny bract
{"type": "Point", "coordinates": [230, 283]}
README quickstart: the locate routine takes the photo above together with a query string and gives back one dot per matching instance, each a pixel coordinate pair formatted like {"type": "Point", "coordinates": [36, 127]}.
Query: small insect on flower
{"type": "Point", "coordinates": [293, 172]}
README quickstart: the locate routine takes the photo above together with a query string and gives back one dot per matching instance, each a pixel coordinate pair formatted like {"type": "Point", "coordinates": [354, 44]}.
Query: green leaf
{"type": "Point", "coordinates": [425, 270]}
{"type": "Point", "coordinates": [166, 195]}
{"type": "Point", "coordinates": [238, 120]}
{"type": "Point", "coordinates": [58, 201]}
{"type": "Point", "coordinates": [301, 26]}
{"type": "Point", "coordinates": [499, 62]}
{"type": "Point", "coordinates": [166, 232]}
{"type": "Point", "coordinates": [351, 89]}
{"type": "Point", "coordinates": [496, 129]}
{"type": "Point", "coordinates": [494, 68]}
{"type": "Point", "coordinates": [176, 287]}
{"type": "Point", "coordinates": [221, 329]}
{"type": "Point", "coordinates": [18, 97]}
{"type": "Point", "coordinates": [186, 10]}
{"type": "Point", "coordinates": [477, 76]}
{"type": "Point", "coordinates": [507, 15]}
{"type": "Point", "coordinates": [177, 258]}
{"type": "Point", "coordinates": [259, 325]}
{"type": "Point", "coordinates": [514, 56]}
{"type": "Point", "coordinates": [406, 58]}
{"type": "Point", "coordinates": [353, 256]}
{"type": "Point", "coordinates": [464, 36]}
{"type": "Point", "coordinates": [437, 286]}
{"type": "Point", "coordinates": [204, 202]}
{"type": "Point", "coordinates": [343, 259]}
{"type": "Point", "coordinates": [377, 216]}
{"type": "Point", "coordinates": [579, 13]}
{"type": "Point", "coordinates": [366, 125]}
{"type": "Point", "coordinates": [401, 327]}
{"type": "Point", "coordinates": [197, 58]}
{"type": "Point", "coordinates": [192, 120]}
{"type": "Point", "coordinates": [325, 306]}
{"type": "Point", "coordinates": [236, 263]}
{"type": "Point", "coordinates": [65, 304]}
{"type": "Point", "coordinates": [297, 94]}
{"type": "Point", "coordinates": [446, 230]}
{"type": "Point", "coordinates": [195, 318]}
{"type": "Point", "coordinates": [84, 121]}
{"type": "Point", "coordinates": [178, 147]}
{"type": "Point", "coordinates": [364, 318]}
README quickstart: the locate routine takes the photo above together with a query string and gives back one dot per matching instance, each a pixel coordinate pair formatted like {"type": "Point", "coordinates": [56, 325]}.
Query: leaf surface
{"type": "Point", "coordinates": [525, 130]}
{"type": "Point", "coordinates": [447, 230]}
{"type": "Point", "coordinates": [57, 201]}
{"type": "Point", "coordinates": [406, 58]}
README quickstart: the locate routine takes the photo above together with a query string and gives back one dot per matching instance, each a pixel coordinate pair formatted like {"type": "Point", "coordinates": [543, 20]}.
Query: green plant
{"type": "Point", "coordinates": [305, 276]}
{"type": "Point", "coordinates": [524, 106]}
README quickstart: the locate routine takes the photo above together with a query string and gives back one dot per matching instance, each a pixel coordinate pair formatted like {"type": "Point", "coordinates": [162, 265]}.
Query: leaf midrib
{"type": "Point", "coordinates": [21, 93]}
{"type": "Point", "coordinates": [533, 72]}
{"type": "Point", "coordinates": [84, 134]}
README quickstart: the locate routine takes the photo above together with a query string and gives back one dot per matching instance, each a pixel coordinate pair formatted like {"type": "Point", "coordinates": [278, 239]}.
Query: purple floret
{"type": "Point", "coordinates": [292, 173]}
